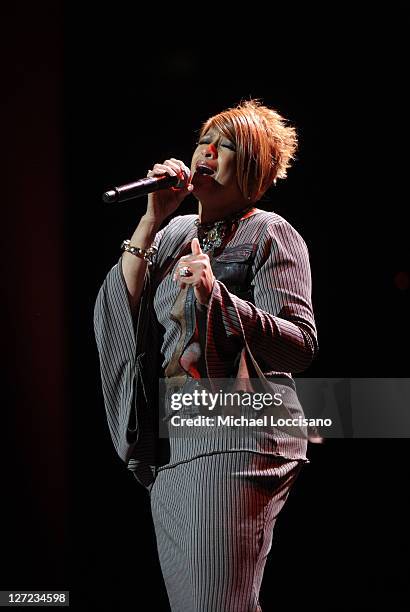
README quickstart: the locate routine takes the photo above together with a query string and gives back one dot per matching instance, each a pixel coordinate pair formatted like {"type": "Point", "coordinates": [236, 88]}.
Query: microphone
{"type": "Point", "coordinates": [143, 186]}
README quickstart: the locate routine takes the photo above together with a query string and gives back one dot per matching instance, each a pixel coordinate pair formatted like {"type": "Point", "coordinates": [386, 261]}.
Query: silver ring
{"type": "Point", "coordinates": [185, 271]}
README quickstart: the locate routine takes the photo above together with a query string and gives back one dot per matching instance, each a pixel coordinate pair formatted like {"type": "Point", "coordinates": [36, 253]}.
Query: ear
{"type": "Point", "coordinates": [195, 247]}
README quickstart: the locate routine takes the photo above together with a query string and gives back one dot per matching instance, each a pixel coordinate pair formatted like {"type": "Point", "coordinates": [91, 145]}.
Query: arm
{"type": "Point", "coordinates": [134, 268]}
{"type": "Point", "coordinates": [160, 205]}
{"type": "Point", "coordinates": [280, 326]}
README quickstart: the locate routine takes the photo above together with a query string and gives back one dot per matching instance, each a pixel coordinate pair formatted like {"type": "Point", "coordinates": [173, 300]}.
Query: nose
{"type": "Point", "coordinates": [211, 151]}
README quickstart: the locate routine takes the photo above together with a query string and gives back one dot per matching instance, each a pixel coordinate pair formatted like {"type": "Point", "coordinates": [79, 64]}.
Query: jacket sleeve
{"type": "Point", "coordinates": [123, 357]}
{"type": "Point", "coordinates": [116, 344]}
{"type": "Point", "coordinates": [279, 327]}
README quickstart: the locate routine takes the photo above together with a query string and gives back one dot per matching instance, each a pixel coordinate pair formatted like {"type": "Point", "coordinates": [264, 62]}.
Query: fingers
{"type": "Point", "coordinates": [161, 169]}
{"type": "Point", "coordinates": [172, 166]}
{"type": "Point", "coordinates": [180, 167]}
{"type": "Point", "coordinates": [196, 247]}
{"type": "Point", "coordinates": [194, 268]}
{"type": "Point", "coordinates": [196, 258]}
{"type": "Point", "coordinates": [191, 271]}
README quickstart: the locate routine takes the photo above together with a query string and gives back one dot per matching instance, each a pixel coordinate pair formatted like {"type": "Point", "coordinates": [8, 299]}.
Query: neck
{"type": "Point", "coordinates": [210, 216]}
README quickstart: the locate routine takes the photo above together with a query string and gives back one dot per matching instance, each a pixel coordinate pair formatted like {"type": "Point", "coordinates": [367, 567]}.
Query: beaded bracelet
{"type": "Point", "coordinates": [146, 254]}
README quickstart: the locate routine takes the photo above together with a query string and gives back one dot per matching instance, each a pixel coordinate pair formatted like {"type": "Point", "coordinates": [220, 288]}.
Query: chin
{"type": "Point", "coordinates": [201, 191]}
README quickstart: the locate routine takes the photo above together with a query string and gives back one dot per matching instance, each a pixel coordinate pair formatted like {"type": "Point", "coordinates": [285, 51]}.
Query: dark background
{"type": "Point", "coordinates": [88, 102]}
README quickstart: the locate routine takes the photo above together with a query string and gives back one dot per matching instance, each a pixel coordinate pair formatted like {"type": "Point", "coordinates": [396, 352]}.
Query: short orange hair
{"type": "Point", "coordinates": [265, 144]}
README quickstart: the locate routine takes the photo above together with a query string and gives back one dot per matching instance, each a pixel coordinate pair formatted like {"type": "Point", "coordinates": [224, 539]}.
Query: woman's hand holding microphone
{"type": "Point", "coordinates": [164, 202]}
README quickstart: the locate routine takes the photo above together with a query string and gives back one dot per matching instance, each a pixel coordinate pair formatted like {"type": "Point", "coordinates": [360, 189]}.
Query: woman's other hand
{"type": "Point", "coordinates": [197, 272]}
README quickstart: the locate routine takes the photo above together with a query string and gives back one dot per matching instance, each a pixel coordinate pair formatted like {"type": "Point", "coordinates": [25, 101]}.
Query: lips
{"type": "Point", "coordinates": [205, 169]}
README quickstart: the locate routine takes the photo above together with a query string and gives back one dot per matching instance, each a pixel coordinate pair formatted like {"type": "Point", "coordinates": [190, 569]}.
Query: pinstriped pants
{"type": "Point", "coordinates": [214, 517]}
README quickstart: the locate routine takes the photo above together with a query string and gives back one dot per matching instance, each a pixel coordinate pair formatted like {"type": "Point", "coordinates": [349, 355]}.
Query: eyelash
{"type": "Point", "coordinates": [231, 147]}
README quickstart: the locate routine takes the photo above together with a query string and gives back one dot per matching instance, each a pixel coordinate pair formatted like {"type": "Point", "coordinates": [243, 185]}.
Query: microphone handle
{"type": "Point", "coordinates": [139, 188]}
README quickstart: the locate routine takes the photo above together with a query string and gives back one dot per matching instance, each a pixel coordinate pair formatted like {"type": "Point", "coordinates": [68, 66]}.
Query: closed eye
{"type": "Point", "coordinates": [225, 144]}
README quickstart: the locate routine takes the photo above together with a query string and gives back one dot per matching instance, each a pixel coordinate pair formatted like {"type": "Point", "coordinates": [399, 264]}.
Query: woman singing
{"type": "Point", "coordinates": [221, 295]}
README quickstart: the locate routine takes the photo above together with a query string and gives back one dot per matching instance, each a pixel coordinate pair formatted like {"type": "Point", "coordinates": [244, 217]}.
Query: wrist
{"type": "Point", "coordinates": [151, 221]}
{"type": "Point", "coordinates": [147, 255]}
{"type": "Point", "coordinates": [204, 303]}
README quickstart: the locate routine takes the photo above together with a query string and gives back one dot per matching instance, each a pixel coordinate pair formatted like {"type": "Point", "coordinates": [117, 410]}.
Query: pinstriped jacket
{"type": "Point", "coordinates": [261, 297]}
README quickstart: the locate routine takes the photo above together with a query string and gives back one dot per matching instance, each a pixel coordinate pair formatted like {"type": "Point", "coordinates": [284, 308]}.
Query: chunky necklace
{"type": "Point", "coordinates": [211, 235]}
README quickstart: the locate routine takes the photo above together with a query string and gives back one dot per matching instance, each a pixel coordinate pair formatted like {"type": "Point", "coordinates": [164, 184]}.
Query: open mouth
{"type": "Point", "coordinates": [205, 170]}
